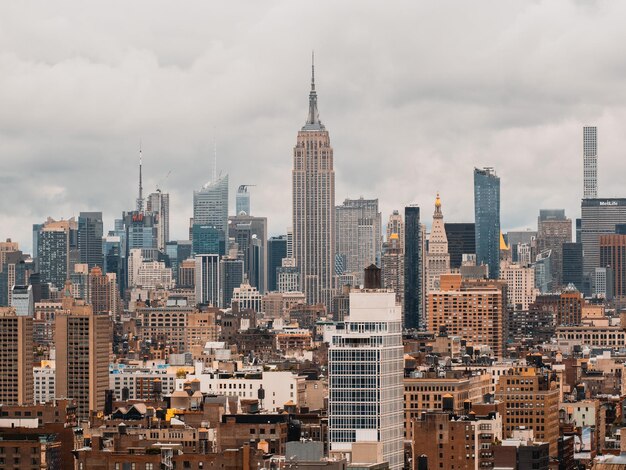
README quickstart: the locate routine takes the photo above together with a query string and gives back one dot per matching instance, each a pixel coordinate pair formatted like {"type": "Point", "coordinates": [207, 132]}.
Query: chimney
{"type": "Point", "coordinates": [372, 277]}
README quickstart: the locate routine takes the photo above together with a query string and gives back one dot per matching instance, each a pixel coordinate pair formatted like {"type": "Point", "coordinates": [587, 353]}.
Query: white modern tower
{"type": "Point", "coordinates": [313, 195]}
{"type": "Point", "coordinates": [590, 162]}
{"type": "Point", "coordinates": [365, 364]}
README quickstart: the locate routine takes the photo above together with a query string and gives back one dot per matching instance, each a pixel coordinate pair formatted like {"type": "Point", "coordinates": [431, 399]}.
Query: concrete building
{"type": "Point", "coordinates": [57, 251]}
{"type": "Point", "coordinates": [437, 260]}
{"type": "Point", "coordinates": [83, 341]}
{"type": "Point", "coordinates": [313, 188]}
{"type": "Point", "coordinates": [613, 255]}
{"type": "Point", "coordinates": [392, 267]}
{"type": "Point", "coordinates": [395, 224]}
{"type": "Point", "coordinates": [288, 276]}
{"type": "Point", "coordinates": [365, 366]}
{"type": "Point", "coordinates": [520, 281]}
{"type": "Point", "coordinates": [159, 203]}
{"type": "Point", "coordinates": [16, 358]}
{"type": "Point", "coordinates": [358, 232]}
{"type": "Point", "coordinates": [554, 230]}
{"type": "Point", "coordinates": [44, 390]}
{"type": "Point", "coordinates": [531, 399]}
{"type": "Point", "coordinates": [247, 298]}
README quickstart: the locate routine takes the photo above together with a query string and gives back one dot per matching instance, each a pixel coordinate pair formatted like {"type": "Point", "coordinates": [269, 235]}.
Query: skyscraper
{"type": "Point", "coordinates": [250, 235]}
{"type": "Point", "coordinates": [613, 255]}
{"type": "Point", "coordinates": [210, 204]}
{"type": "Point", "coordinates": [16, 358]}
{"type": "Point", "coordinates": [82, 339]}
{"type": "Point", "coordinates": [207, 273]}
{"type": "Point", "coordinates": [395, 224]}
{"type": "Point", "coordinates": [590, 162]}
{"type": "Point", "coordinates": [231, 277]}
{"type": "Point", "coordinates": [461, 241]}
{"type": "Point", "coordinates": [365, 371]}
{"type": "Point", "coordinates": [553, 230]}
{"type": "Point", "coordinates": [487, 219]}
{"type": "Point", "coordinates": [57, 251]}
{"type": "Point", "coordinates": [413, 267]}
{"type": "Point", "coordinates": [276, 251]}
{"type": "Point", "coordinates": [90, 233]}
{"type": "Point", "coordinates": [572, 265]}
{"type": "Point", "coordinates": [437, 258]}
{"type": "Point", "coordinates": [313, 193]}
{"type": "Point", "coordinates": [392, 267]}
{"type": "Point", "coordinates": [242, 201]}
{"type": "Point", "coordinates": [159, 203]}
{"type": "Point", "coordinates": [358, 232]}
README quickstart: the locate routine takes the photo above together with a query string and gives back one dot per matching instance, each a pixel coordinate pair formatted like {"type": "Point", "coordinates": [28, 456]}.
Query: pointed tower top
{"type": "Point", "coordinates": [313, 122]}
{"type": "Point", "coordinates": [438, 207]}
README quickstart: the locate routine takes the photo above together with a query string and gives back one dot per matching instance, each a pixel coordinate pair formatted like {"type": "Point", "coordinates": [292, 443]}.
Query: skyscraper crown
{"type": "Point", "coordinates": [313, 122]}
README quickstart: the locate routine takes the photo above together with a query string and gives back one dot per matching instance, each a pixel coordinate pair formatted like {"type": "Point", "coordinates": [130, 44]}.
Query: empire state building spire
{"type": "Point", "coordinates": [313, 122]}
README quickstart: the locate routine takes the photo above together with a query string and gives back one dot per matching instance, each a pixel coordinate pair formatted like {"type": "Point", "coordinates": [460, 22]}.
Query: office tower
{"type": "Point", "coordinates": [250, 235]}
{"type": "Point", "coordinates": [461, 241]}
{"type": "Point", "coordinates": [57, 251]}
{"type": "Point", "coordinates": [114, 258]}
{"type": "Point", "coordinates": [16, 358]}
{"type": "Point", "coordinates": [140, 230]}
{"type": "Point", "coordinates": [487, 219]}
{"type": "Point", "coordinates": [7, 246]}
{"type": "Point", "coordinates": [210, 204]}
{"type": "Point", "coordinates": [177, 252]}
{"type": "Point", "coordinates": [598, 217]}
{"type": "Point", "coordinates": [395, 224]}
{"type": "Point", "coordinates": [603, 283]}
{"type": "Point", "coordinates": [207, 279]}
{"type": "Point", "coordinates": [288, 276]}
{"type": "Point", "coordinates": [90, 234]}
{"type": "Point", "coordinates": [231, 272]}
{"type": "Point", "coordinates": [613, 255]}
{"type": "Point", "coordinates": [15, 270]}
{"type": "Point", "coordinates": [103, 292]}
{"type": "Point", "coordinates": [590, 162]}
{"type": "Point", "coordinates": [23, 300]}
{"type": "Point", "coordinates": [475, 310]}
{"type": "Point", "coordinates": [289, 242]}
{"type": "Point", "coordinates": [358, 235]}
{"type": "Point", "coordinates": [392, 267]}
{"type": "Point", "coordinates": [520, 281]}
{"type": "Point", "coordinates": [437, 258]}
{"type": "Point", "coordinates": [276, 251]}
{"type": "Point", "coordinates": [544, 271]}
{"type": "Point", "coordinates": [206, 240]}
{"type": "Point", "coordinates": [187, 274]}
{"type": "Point", "coordinates": [365, 371]}
{"type": "Point", "coordinates": [523, 245]}
{"type": "Point", "coordinates": [159, 203]}
{"type": "Point", "coordinates": [572, 269]}
{"type": "Point", "coordinates": [313, 191]}
{"type": "Point", "coordinates": [242, 201]}
{"type": "Point", "coordinates": [531, 399]}
{"type": "Point", "coordinates": [82, 339]}
{"type": "Point", "coordinates": [413, 245]}
{"type": "Point", "coordinates": [553, 230]}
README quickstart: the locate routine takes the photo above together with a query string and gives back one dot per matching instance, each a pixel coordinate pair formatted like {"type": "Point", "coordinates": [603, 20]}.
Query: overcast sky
{"type": "Point", "coordinates": [414, 94]}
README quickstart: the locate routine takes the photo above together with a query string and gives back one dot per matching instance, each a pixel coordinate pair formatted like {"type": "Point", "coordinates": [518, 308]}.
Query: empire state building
{"type": "Point", "coordinates": [314, 206]}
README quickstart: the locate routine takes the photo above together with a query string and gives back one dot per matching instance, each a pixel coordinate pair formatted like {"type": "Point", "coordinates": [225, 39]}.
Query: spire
{"type": "Point", "coordinates": [313, 120]}
{"type": "Point", "coordinates": [438, 207]}
{"type": "Point", "coordinates": [140, 198]}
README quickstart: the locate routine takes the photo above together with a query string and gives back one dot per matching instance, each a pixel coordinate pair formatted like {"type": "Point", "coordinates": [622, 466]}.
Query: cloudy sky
{"type": "Point", "coordinates": [414, 94]}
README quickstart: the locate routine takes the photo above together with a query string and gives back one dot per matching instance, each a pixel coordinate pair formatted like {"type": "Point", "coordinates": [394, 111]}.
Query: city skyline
{"type": "Point", "coordinates": [415, 131]}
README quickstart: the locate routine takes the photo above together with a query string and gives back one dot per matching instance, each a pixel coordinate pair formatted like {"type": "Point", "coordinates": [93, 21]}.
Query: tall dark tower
{"type": "Point", "coordinates": [487, 219]}
{"type": "Point", "coordinates": [313, 184]}
{"type": "Point", "coordinates": [412, 268]}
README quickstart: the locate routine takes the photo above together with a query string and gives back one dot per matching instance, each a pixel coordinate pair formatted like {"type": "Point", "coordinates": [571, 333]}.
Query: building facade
{"type": "Point", "coordinates": [487, 219]}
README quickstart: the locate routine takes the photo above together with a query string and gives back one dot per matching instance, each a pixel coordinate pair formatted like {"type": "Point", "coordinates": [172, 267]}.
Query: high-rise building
{"type": "Point", "coordinates": [365, 371]}
{"type": "Point", "coordinates": [544, 271]}
{"type": "Point", "coordinates": [82, 339]}
{"type": "Point", "coordinates": [395, 224]}
{"type": "Point", "coordinates": [437, 258]}
{"type": "Point", "coordinates": [159, 203]}
{"type": "Point", "coordinates": [242, 201]}
{"type": "Point", "coordinates": [313, 191]}
{"type": "Point", "coordinates": [520, 281]}
{"type": "Point", "coordinates": [90, 234]}
{"type": "Point", "coordinates": [599, 217]}
{"type": "Point", "coordinates": [276, 251]}
{"type": "Point", "coordinates": [475, 310]}
{"type": "Point", "coordinates": [487, 219]}
{"type": "Point", "coordinates": [177, 251]}
{"type": "Point", "coordinates": [590, 162]}
{"type": "Point", "coordinates": [288, 276]}
{"type": "Point", "coordinates": [413, 268]}
{"type": "Point", "coordinates": [114, 257]}
{"type": "Point", "coordinates": [15, 271]}
{"type": "Point", "coordinates": [250, 235]}
{"type": "Point", "coordinates": [572, 266]}
{"type": "Point", "coordinates": [23, 300]}
{"type": "Point", "coordinates": [231, 272]}
{"type": "Point", "coordinates": [103, 292]}
{"type": "Point", "coordinates": [461, 241]}
{"type": "Point", "coordinates": [358, 235]}
{"type": "Point", "coordinates": [553, 230]}
{"type": "Point", "coordinates": [206, 239]}
{"type": "Point", "coordinates": [16, 358]}
{"type": "Point", "coordinates": [207, 283]}
{"type": "Point", "coordinates": [57, 251]}
{"type": "Point", "coordinates": [210, 204]}
{"type": "Point", "coordinates": [613, 255]}
{"type": "Point", "coordinates": [392, 267]}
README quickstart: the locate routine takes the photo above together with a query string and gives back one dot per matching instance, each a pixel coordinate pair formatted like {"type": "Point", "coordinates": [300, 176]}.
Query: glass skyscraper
{"type": "Point", "coordinates": [413, 267]}
{"type": "Point", "coordinates": [487, 219]}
